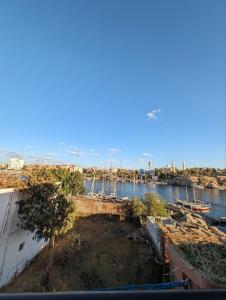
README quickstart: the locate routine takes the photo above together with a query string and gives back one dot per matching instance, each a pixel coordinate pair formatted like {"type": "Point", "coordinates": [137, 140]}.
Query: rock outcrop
{"type": "Point", "coordinates": [204, 181]}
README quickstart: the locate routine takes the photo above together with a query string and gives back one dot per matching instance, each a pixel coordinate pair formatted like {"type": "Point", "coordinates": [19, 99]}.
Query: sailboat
{"type": "Point", "coordinates": [113, 195]}
{"type": "Point", "coordinates": [178, 200]}
{"type": "Point", "coordinates": [195, 205]}
{"type": "Point", "coordinates": [199, 205]}
{"type": "Point", "coordinates": [101, 193]}
{"type": "Point", "coordinates": [184, 203]}
{"type": "Point", "coordinates": [91, 193]}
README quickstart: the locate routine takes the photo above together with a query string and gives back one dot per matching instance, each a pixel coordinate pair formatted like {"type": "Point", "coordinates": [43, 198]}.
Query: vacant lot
{"type": "Point", "coordinates": [96, 254]}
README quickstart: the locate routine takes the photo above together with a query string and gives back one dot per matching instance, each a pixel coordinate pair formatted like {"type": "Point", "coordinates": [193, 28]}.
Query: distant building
{"type": "Point", "coordinates": [183, 166]}
{"type": "Point", "coordinates": [149, 165]}
{"type": "Point", "coordinates": [15, 163]}
{"type": "Point", "coordinates": [173, 168]}
{"type": "Point", "coordinates": [142, 171]}
{"type": "Point", "coordinates": [113, 170]}
{"type": "Point", "coordinates": [151, 172]}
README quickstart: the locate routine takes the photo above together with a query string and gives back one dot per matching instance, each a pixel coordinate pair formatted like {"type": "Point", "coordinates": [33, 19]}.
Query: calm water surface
{"type": "Point", "coordinates": [216, 198]}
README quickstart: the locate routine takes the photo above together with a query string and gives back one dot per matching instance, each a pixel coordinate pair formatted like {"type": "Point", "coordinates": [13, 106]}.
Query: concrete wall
{"type": "Point", "coordinates": [154, 229]}
{"type": "Point", "coordinates": [17, 246]}
{"type": "Point", "coordinates": [182, 269]}
{"type": "Point", "coordinates": [155, 234]}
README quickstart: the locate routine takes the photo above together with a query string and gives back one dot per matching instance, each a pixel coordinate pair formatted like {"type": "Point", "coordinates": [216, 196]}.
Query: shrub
{"type": "Point", "coordinates": [151, 205]}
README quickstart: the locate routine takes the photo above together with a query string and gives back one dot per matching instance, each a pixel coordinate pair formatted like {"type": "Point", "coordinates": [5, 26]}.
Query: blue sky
{"type": "Point", "coordinates": [95, 81]}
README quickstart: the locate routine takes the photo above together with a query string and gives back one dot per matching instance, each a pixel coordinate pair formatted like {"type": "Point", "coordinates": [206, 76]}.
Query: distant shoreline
{"type": "Point", "coordinates": [159, 182]}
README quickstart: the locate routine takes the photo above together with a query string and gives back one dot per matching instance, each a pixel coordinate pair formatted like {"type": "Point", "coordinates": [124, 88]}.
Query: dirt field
{"type": "Point", "coordinates": [97, 254]}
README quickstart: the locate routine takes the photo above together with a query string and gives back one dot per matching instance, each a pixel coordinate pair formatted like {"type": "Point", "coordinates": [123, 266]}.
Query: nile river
{"type": "Point", "coordinates": [216, 198]}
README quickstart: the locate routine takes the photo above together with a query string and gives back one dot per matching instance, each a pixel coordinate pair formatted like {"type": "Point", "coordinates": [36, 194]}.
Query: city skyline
{"type": "Point", "coordinates": [117, 82]}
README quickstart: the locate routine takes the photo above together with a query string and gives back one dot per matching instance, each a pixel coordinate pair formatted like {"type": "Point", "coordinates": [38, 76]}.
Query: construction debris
{"type": "Point", "coordinates": [202, 245]}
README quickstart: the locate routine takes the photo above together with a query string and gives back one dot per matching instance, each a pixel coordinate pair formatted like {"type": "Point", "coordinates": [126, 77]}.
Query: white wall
{"type": "Point", "coordinates": [12, 261]}
{"type": "Point", "coordinates": [155, 231]}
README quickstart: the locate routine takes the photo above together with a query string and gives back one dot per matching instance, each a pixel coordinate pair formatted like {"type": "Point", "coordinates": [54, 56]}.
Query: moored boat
{"type": "Point", "coordinates": [124, 198]}
{"type": "Point", "coordinates": [201, 207]}
{"type": "Point", "coordinates": [195, 205]}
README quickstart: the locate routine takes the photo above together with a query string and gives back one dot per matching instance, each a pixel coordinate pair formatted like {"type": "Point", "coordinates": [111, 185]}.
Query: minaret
{"type": "Point", "coordinates": [173, 167]}
{"type": "Point", "coordinates": [149, 165]}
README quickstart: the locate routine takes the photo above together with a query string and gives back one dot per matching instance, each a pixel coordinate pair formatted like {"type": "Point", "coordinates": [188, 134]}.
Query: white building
{"type": "Point", "coordinates": [17, 246]}
{"type": "Point", "coordinates": [173, 168]}
{"type": "Point", "coordinates": [15, 163]}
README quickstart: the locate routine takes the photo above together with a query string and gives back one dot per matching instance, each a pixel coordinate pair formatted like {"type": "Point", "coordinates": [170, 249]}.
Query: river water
{"type": "Point", "coordinates": [216, 198]}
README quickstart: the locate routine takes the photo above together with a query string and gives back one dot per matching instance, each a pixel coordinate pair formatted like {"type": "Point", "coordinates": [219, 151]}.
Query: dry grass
{"type": "Point", "coordinates": [208, 258]}
{"type": "Point", "coordinates": [105, 258]}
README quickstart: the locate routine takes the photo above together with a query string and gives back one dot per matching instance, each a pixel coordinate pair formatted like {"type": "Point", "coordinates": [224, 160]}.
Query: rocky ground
{"type": "Point", "coordinates": [100, 252]}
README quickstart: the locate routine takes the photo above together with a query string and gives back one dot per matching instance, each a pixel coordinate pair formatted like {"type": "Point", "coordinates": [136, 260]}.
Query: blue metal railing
{"type": "Point", "coordinates": [154, 286]}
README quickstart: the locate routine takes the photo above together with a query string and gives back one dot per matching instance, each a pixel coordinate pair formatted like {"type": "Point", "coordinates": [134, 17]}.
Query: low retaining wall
{"type": "Point", "coordinates": [155, 232]}
{"type": "Point", "coordinates": [90, 206]}
{"type": "Point", "coordinates": [181, 269]}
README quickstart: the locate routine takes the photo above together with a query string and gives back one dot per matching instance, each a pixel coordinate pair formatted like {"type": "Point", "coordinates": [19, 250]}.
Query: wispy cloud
{"type": "Point", "coordinates": [72, 150]}
{"type": "Point", "coordinates": [146, 154]}
{"type": "Point", "coordinates": [8, 154]}
{"type": "Point", "coordinates": [29, 147]}
{"type": "Point", "coordinates": [141, 159]}
{"type": "Point", "coordinates": [93, 154]}
{"type": "Point", "coordinates": [50, 154]}
{"type": "Point", "coordinates": [66, 147]}
{"type": "Point", "coordinates": [40, 158]}
{"type": "Point", "coordinates": [114, 150]}
{"type": "Point", "coordinates": [76, 152]}
{"type": "Point", "coordinates": [152, 115]}
{"type": "Point", "coordinates": [111, 160]}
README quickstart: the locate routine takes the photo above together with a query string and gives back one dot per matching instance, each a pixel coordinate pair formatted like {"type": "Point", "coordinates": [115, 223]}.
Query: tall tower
{"type": "Point", "coordinates": [173, 167]}
{"type": "Point", "coordinates": [149, 165]}
{"type": "Point", "coordinates": [183, 166]}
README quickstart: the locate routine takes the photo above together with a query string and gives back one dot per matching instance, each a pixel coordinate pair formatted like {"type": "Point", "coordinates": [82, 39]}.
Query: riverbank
{"type": "Point", "coordinates": [99, 253]}
{"type": "Point", "coordinates": [199, 182]}
{"type": "Point", "coordinates": [217, 198]}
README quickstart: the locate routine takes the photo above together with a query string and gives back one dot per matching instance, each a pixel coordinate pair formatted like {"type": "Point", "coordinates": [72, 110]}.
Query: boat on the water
{"type": "Point", "coordinates": [199, 205]}
{"type": "Point", "coordinates": [195, 205]}
{"type": "Point", "coordinates": [124, 198]}
{"type": "Point", "coordinates": [186, 203]}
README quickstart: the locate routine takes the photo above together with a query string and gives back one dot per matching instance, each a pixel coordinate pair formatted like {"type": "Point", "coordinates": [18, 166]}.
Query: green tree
{"type": "Point", "coordinates": [156, 206]}
{"type": "Point", "coordinates": [71, 182]}
{"type": "Point", "coordinates": [151, 205]}
{"type": "Point", "coordinates": [139, 209]}
{"type": "Point", "coordinates": [45, 210]}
